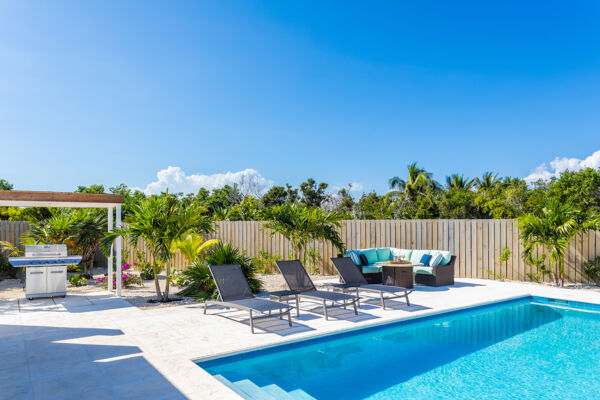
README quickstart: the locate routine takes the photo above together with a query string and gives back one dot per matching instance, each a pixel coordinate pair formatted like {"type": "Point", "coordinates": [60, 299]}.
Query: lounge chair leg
{"type": "Point", "coordinates": [325, 310]}
{"type": "Point", "coordinates": [344, 304]}
{"type": "Point", "coordinates": [357, 297]}
{"type": "Point", "coordinates": [251, 322]}
{"type": "Point", "coordinates": [280, 316]}
{"type": "Point", "coordinates": [289, 313]}
{"type": "Point", "coordinates": [355, 310]}
{"type": "Point", "coordinates": [406, 297]}
{"type": "Point", "coordinates": [382, 300]}
{"type": "Point", "coordinates": [297, 306]}
{"type": "Point", "coordinates": [205, 306]}
{"type": "Point", "coordinates": [269, 313]}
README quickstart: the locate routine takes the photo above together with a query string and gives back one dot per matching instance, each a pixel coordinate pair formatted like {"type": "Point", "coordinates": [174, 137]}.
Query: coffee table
{"type": "Point", "coordinates": [401, 275]}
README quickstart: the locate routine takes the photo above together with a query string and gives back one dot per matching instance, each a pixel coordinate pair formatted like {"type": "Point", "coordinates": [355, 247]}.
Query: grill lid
{"type": "Point", "coordinates": [44, 255]}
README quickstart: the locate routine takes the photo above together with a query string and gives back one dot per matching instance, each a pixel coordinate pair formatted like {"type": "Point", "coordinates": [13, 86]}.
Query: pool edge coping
{"type": "Point", "coordinates": [376, 324]}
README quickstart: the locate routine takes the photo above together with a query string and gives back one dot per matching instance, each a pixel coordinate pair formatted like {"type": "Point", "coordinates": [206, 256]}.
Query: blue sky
{"type": "Point", "coordinates": [115, 91]}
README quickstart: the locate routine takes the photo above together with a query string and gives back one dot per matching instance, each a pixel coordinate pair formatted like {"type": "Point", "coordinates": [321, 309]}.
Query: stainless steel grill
{"type": "Point", "coordinates": [46, 269]}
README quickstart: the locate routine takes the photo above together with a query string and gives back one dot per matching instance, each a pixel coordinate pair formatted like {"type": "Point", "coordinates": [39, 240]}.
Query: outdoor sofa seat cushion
{"type": "Point", "coordinates": [421, 269]}
{"type": "Point", "coordinates": [371, 269]}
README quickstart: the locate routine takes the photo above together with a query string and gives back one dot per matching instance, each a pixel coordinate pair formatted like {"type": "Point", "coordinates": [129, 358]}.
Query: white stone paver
{"type": "Point", "coordinates": [97, 346]}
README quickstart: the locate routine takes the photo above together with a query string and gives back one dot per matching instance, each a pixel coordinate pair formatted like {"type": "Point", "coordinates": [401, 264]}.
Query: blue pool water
{"type": "Point", "coordinates": [524, 348]}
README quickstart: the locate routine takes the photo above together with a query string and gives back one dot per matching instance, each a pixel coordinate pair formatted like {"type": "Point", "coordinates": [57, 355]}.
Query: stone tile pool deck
{"type": "Point", "coordinates": [101, 347]}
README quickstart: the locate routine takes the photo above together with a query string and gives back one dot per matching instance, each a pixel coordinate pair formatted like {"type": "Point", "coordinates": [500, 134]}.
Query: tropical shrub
{"type": "Point", "coordinates": [193, 247]}
{"type": "Point", "coordinates": [127, 279]}
{"type": "Point", "coordinates": [178, 278]}
{"type": "Point", "coordinates": [78, 280]}
{"type": "Point", "coordinates": [265, 262]}
{"type": "Point", "coordinates": [7, 249]}
{"type": "Point", "coordinates": [553, 229]}
{"type": "Point", "coordinates": [200, 282]}
{"type": "Point", "coordinates": [144, 267]}
{"type": "Point", "coordinates": [592, 269]}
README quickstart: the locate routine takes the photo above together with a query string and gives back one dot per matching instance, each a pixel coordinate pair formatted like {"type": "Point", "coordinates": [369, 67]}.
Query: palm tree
{"type": "Point", "coordinates": [87, 232]}
{"type": "Point", "coordinates": [300, 225]}
{"type": "Point", "coordinates": [553, 229]}
{"type": "Point", "coordinates": [58, 229]}
{"type": "Point", "coordinates": [456, 181]}
{"type": "Point", "coordinates": [418, 179]}
{"type": "Point", "coordinates": [162, 221]}
{"type": "Point", "coordinates": [487, 181]}
{"type": "Point", "coordinates": [192, 246]}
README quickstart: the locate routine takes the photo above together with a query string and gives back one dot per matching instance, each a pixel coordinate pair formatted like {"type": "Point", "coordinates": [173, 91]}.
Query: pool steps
{"type": "Point", "coordinates": [248, 388]}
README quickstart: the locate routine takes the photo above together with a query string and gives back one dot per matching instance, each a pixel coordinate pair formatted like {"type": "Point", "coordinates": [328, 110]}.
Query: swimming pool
{"type": "Point", "coordinates": [531, 347]}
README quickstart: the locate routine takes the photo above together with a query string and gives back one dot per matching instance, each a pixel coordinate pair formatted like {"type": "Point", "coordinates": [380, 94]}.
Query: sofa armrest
{"type": "Point", "coordinates": [445, 270]}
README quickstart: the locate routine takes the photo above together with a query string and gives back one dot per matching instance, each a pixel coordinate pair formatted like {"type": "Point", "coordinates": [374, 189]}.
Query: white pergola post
{"type": "Point", "coordinates": [110, 257]}
{"type": "Point", "coordinates": [119, 244]}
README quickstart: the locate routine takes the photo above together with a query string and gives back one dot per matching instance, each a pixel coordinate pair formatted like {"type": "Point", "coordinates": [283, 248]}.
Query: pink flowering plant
{"type": "Point", "coordinates": [127, 279]}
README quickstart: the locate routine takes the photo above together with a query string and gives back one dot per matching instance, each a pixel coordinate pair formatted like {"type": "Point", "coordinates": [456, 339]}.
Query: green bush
{"type": "Point", "coordinates": [200, 283]}
{"type": "Point", "coordinates": [265, 262]}
{"type": "Point", "coordinates": [177, 278]}
{"type": "Point", "coordinates": [592, 269]}
{"type": "Point", "coordinates": [77, 280]}
{"type": "Point", "coordinates": [146, 269]}
{"type": "Point", "coordinates": [7, 271]}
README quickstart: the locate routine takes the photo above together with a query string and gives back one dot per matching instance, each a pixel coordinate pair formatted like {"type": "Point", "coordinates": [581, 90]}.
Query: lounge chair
{"type": "Point", "coordinates": [301, 286]}
{"type": "Point", "coordinates": [234, 292]}
{"type": "Point", "coordinates": [354, 280]}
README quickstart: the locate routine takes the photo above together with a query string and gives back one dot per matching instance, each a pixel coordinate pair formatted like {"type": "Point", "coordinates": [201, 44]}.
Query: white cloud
{"type": "Point", "coordinates": [176, 180]}
{"type": "Point", "coordinates": [356, 187]}
{"type": "Point", "coordinates": [559, 165]}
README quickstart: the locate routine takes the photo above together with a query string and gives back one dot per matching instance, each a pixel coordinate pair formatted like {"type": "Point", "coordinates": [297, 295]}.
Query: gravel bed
{"type": "Point", "coordinates": [139, 296]}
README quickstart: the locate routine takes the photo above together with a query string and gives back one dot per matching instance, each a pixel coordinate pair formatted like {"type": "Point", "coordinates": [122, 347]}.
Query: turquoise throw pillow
{"type": "Point", "coordinates": [425, 259]}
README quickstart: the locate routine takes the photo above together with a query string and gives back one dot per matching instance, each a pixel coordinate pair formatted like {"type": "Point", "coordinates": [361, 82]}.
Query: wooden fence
{"type": "Point", "coordinates": [478, 244]}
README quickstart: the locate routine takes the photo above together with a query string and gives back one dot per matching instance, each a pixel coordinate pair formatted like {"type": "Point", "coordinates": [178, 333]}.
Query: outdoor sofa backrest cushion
{"type": "Point", "coordinates": [371, 255]}
{"type": "Point", "coordinates": [404, 254]}
{"type": "Point", "coordinates": [416, 256]}
{"type": "Point", "coordinates": [384, 254]}
{"type": "Point", "coordinates": [413, 256]}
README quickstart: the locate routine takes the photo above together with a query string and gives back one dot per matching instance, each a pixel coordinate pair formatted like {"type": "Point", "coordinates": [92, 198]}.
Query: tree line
{"type": "Point", "coordinates": [417, 195]}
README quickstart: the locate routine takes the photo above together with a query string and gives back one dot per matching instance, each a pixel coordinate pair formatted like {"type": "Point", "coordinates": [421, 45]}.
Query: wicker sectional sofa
{"type": "Point", "coordinates": [439, 275]}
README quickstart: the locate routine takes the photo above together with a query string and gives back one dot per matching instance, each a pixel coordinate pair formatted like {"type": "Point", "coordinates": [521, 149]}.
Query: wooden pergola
{"type": "Point", "coordinates": [111, 202]}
